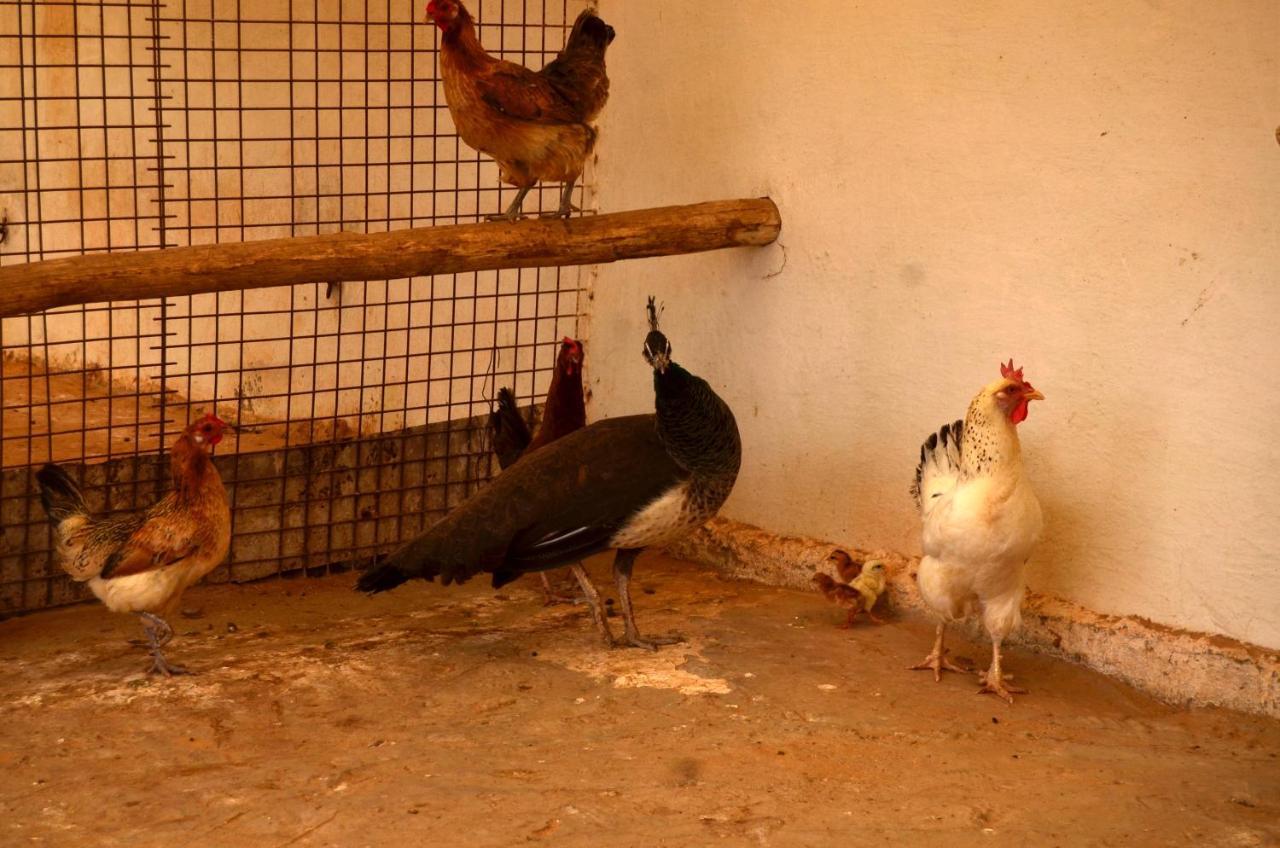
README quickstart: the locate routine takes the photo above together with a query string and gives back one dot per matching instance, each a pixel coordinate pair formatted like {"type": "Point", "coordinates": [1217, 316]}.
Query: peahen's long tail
{"type": "Point", "coordinates": [409, 563]}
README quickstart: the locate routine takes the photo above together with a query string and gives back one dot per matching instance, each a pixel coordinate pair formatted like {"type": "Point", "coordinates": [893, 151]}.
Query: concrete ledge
{"type": "Point", "coordinates": [1177, 666]}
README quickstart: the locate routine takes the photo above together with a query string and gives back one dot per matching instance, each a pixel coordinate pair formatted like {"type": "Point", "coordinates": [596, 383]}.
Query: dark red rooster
{"type": "Point", "coordinates": [564, 412]}
{"type": "Point", "coordinates": [535, 124]}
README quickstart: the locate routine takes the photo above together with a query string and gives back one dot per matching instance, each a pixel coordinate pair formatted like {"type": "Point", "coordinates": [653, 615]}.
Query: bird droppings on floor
{"type": "Point", "coordinates": [461, 716]}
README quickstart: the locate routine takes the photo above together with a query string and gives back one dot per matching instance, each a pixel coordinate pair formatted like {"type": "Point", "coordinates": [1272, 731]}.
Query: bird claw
{"type": "Point", "coordinates": [999, 687]}
{"type": "Point", "coordinates": [565, 214]}
{"type": "Point", "coordinates": [162, 667]}
{"type": "Point", "coordinates": [938, 662]}
{"type": "Point", "coordinates": [634, 640]}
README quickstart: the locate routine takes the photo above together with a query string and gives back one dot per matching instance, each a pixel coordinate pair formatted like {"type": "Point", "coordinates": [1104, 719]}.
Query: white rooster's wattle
{"type": "Point", "coordinates": [981, 521]}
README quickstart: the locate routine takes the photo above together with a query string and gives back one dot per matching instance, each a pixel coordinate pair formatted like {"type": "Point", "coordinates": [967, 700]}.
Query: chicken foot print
{"type": "Point", "coordinates": [593, 600]}
{"type": "Point", "coordinates": [159, 634]}
{"type": "Point", "coordinates": [937, 659]}
{"type": "Point", "coordinates": [513, 210]}
{"type": "Point", "coordinates": [622, 564]}
{"type": "Point", "coordinates": [993, 680]}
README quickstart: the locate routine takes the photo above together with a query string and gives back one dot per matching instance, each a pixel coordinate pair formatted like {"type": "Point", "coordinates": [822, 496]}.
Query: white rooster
{"type": "Point", "coordinates": [981, 520]}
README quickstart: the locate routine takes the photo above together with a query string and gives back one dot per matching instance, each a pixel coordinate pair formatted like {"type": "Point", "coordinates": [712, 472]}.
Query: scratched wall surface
{"type": "Point", "coordinates": [1092, 188]}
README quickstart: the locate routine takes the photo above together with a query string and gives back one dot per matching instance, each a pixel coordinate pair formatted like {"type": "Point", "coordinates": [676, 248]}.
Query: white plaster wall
{"type": "Point", "coordinates": [1092, 188]}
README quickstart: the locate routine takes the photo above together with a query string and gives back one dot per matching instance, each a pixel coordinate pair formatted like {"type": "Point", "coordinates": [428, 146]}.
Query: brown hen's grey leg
{"type": "Point", "coordinates": [622, 563]}
{"type": "Point", "coordinates": [566, 203]}
{"type": "Point", "coordinates": [158, 635]}
{"type": "Point", "coordinates": [513, 211]}
{"type": "Point", "coordinates": [593, 601]}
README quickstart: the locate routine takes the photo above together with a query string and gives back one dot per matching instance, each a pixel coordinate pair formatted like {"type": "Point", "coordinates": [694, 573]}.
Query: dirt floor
{"type": "Point", "coordinates": [436, 716]}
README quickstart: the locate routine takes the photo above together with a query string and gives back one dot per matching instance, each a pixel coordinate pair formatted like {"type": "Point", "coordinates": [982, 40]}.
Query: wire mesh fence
{"type": "Point", "coordinates": [142, 124]}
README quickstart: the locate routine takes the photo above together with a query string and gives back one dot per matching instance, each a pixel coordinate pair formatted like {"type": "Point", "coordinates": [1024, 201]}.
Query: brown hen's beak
{"type": "Point", "coordinates": [1033, 395]}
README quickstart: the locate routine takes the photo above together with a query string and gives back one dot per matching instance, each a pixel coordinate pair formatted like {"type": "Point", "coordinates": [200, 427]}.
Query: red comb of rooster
{"type": "Point", "coordinates": [1010, 373]}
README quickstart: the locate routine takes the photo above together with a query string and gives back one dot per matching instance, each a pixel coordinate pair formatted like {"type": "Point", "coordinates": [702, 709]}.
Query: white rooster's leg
{"type": "Point", "coordinates": [937, 659]}
{"type": "Point", "coordinates": [994, 680]}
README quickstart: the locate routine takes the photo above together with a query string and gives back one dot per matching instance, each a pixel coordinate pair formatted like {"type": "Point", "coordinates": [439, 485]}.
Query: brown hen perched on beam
{"type": "Point", "coordinates": [535, 124]}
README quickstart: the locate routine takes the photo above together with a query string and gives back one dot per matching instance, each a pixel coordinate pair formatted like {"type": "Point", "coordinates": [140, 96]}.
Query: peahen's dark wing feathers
{"type": "Point", "coordinates": [555, 506]}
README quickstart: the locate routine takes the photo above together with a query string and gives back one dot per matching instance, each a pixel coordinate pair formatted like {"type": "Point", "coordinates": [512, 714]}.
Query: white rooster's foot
{"type": "Point", "coordinates": [938, 662]}
{"type": "Point", "coordinates": [995, 684]}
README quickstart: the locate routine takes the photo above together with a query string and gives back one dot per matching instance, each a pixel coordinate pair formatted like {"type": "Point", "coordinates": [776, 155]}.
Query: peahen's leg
{"type": "Point", "coordinates": [593, 601]}
{"type": "Point", "coordinates": [622, 563]}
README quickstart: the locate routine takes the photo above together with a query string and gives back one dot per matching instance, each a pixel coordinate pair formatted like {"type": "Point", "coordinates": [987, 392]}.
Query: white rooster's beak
{"type": "Point", "coordinates": [1033, 395]}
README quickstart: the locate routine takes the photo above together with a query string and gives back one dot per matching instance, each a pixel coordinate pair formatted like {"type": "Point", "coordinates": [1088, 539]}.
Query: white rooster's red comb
{"type": "Point", "coordinates": [1009, 373]}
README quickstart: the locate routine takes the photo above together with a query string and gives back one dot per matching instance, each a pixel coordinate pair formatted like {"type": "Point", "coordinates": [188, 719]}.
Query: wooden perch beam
{"type": "Point", "coordinates": [339, 257]}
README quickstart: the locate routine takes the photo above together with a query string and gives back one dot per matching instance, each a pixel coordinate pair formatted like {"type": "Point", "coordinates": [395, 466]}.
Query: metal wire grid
{"type": "Point", "coordinates": [140, 124]}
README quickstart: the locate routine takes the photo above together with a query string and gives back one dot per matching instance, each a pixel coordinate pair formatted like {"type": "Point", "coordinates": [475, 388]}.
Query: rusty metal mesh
{"type": "Point", "coordinates": [141, 124]}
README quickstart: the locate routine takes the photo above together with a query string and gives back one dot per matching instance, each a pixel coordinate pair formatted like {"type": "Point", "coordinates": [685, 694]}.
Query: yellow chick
{"type": "Point", "coordinates": [860, 595]}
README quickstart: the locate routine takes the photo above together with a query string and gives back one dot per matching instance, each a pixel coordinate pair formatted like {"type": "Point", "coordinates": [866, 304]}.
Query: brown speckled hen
{"type": "Point", "coordinates": [535, 124]}
{"type": "Point", "coordinates": [142, 563]}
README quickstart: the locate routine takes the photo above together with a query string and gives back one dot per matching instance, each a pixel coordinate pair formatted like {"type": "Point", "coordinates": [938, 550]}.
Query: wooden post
{"type": "Point", "coordinates": [339, 257]}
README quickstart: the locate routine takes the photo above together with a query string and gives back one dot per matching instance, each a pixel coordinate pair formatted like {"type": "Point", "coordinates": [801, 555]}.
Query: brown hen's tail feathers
{"type": "Point", "coordinates": [59, 494]}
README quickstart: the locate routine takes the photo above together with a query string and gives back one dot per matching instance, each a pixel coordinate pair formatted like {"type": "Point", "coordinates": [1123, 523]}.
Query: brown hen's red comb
{"type": "Point", "coordinates": [1009, 373]}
